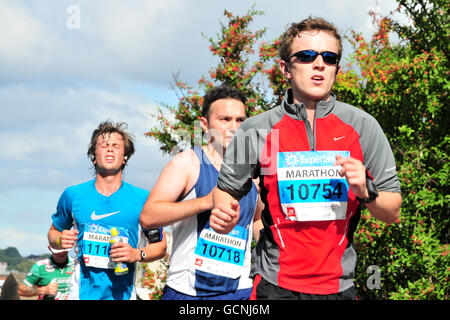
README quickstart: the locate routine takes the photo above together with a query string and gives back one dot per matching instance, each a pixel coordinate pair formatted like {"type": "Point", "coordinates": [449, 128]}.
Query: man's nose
{"type": "Point", "coordinates": [318, 62]}
{"type": "Point", "coordinates": [234, 125]}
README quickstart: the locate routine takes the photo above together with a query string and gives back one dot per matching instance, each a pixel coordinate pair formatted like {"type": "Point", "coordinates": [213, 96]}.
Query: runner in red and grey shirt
{"type": "Point", "coordinates": [318, 160]}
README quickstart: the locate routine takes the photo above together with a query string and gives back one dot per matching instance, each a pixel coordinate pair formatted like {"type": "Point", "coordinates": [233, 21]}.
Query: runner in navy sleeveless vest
{"type": "Point", "coordinates": [86, 213]}
{"type": "Point", "coordinates": [318, 160]}
{"type": "Point", "coordinates": [203, 263]}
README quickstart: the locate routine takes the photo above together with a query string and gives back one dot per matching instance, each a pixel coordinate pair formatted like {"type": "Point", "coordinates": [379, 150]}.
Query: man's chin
{"type": "Point", "coordinates": [107, 172]}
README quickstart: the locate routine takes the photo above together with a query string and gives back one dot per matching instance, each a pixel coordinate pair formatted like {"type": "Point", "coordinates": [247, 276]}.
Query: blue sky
{"type": "Point", "coordinates": [60, 79]}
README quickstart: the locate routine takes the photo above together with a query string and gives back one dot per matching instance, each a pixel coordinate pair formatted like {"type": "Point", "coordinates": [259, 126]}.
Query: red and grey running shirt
{"type": "Point", "coordinates": [310, 213]}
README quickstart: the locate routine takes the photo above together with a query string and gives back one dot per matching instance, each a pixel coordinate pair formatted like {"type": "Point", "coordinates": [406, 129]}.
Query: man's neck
{"type": "Point", "coordinates": [215, 156]}
{"type": "Point", "coordinates": [107, 185]}
{"type": "Point", "coordinates": [310, 106]}
{"type": "Point", "coordinates": [60, 263]}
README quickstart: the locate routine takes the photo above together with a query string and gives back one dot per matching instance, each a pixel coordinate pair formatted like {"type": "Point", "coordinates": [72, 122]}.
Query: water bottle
{"type": "Point", "coordinates": [120, 268]}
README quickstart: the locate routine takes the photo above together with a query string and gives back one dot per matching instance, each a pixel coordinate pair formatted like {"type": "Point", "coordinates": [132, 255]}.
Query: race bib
{"type": "Point", "coordinates": [221, 254]}
{"type": "Point", "coordinates": [310, 187]}
{"type": "Point", "coordinates": [96, 246]}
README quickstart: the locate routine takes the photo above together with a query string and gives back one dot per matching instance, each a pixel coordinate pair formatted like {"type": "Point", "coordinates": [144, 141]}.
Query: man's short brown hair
{"type": "Point", "coordinates": [309, 24]}
{"type": "Point", "coordinates": [106, 128]}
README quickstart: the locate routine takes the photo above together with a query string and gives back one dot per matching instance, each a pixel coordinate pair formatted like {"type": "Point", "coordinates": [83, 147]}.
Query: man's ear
{"type": "Point", "coordinates": [204, 124]}
{"type": "Point", "coordinates": [284, 68]}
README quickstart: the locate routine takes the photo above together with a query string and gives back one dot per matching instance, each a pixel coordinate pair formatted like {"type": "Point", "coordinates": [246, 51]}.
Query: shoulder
{"type": "Point", "coordinates": [42, 263]}
{"type": "Point", "coordinates": [75, 189]}
{"type": "Point", "coordinates": [184, 165]}
{"type": "Point", "coordinates": [264, 120]}
{"type": "Point", "coordinates": [177, 176]}
{"type": "Point", "coordinates": [349, 113]}
{"type": "Point", "coordinates": [186, 158]}
{"type": "Point", "coordinates": [140, 192]}
{"type": "Point", "coordinates": [70, 194]}
{"type": "Point", "coordinates": [361, 121]}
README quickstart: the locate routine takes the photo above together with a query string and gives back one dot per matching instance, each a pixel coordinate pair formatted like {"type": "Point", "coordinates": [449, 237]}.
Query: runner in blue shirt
{"type": "Point", "coordinates": [86, 213]}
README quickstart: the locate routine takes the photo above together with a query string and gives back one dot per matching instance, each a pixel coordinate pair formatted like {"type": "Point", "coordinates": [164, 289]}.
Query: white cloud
{"type": "Point", "coordinates": [21, 33]}
{"type": "Point", "coordinates": [52, 131]}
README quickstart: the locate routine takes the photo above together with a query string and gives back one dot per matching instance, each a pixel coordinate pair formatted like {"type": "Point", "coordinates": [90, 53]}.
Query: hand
{"type": "Point", "coordinates": [68, 238]}
{"type": "Point", "coordinates": [223, 219]}
{"type": "Point", "coordinates": [51, 288]}
{"type": "Point", "coordinates": [121, 251]}
{"type": "Point", "coordinates": [355, 173]}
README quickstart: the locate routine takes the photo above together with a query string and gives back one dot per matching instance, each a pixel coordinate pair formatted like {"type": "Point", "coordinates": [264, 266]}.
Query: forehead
{"type": "Point", "coordinates": [318, 40]}
{"type": "Point", "coordinates": [227, 107]}
{"type": "Point", "coordinates": [113, 137]}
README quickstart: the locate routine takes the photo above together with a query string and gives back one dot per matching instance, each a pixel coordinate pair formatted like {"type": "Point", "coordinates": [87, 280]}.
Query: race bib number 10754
{"type": "Point", "coordinates": [310, 186]}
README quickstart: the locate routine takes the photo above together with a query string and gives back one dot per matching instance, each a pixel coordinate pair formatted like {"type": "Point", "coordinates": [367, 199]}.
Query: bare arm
{"type": "Point", "coordinates": [27, 291]}
{"type": "Point", "coordinates": [386, 207]}
{"type": "Point", "coordinates": [126, 253]}
{"type": "Point", "coordinates": [62, 240]}
{"type": "Point", "coordinates": [156, 250]}
{"type": "Point", "coordinates": [161, 208]}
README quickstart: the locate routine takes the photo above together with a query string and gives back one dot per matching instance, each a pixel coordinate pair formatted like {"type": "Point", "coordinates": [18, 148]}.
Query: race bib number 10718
{"type": "Point", "coordinates": [310, 186]}
{"type": "Point", "coordinates": [221, 254]}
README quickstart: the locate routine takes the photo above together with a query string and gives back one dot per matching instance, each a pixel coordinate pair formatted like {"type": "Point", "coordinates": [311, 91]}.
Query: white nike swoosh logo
{"type": "Point", "coordinates": [101, 216]}
{"type": "Point", "coordinates": [336, 139]}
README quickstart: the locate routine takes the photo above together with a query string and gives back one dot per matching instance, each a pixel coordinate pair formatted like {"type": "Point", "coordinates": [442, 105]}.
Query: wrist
{"type": "Point", "coordinates": [370, 193]}
{"type": "Point", "coordinates": [58, 243]}
{"type": "Point", "coordinates": [142, 255]}
{"type": "Point", "coordinates": [207, 203]}
{"type": "Point", "coordinates": [138, 255]}
{"type": "Point", "coordinates": [364, 193]}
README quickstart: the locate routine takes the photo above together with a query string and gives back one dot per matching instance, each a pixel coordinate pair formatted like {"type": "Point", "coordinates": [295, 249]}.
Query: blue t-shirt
{"type": "Point", "coordinates": [93, 215]}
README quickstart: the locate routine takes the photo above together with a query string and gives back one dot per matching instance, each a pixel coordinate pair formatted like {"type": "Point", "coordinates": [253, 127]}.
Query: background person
{"type": "Point", "coordinates": [204, 264]}
{"type": "Point", "coordinates": [49, 278]}
{"type": "Point", "coordinates": [87, 212]}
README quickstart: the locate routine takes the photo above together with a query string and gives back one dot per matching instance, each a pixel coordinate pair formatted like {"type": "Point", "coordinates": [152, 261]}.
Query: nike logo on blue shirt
{"type": "Point", "coordinates": [101, 216]}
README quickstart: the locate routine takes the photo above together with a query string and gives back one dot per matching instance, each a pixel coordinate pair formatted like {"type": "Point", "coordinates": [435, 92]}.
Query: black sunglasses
{"type": "Point", "coordinates": [311, 55]}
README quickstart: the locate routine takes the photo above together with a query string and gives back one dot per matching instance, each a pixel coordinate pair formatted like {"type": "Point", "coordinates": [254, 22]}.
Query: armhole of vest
{"type": "Point", "coordinates": [199, 172]}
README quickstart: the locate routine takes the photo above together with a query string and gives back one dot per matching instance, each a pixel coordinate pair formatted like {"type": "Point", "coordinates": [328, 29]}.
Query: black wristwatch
{"type": "Point", "coordinates": [143, 255]}
{"type": "Point", "coordinates": [372, 189]}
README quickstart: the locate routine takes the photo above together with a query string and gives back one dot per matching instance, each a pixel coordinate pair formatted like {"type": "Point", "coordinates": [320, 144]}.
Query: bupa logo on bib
{"type": "Point", "coordinates": [310, 186]}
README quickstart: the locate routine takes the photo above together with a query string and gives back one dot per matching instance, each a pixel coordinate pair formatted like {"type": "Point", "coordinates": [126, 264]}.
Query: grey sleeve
{"type": "Point", "coordinates": [378, 157]}
{"type": "Point", "coordinates": [242, 160]}
{"type": "Point", "coordinates": [240, 163]}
